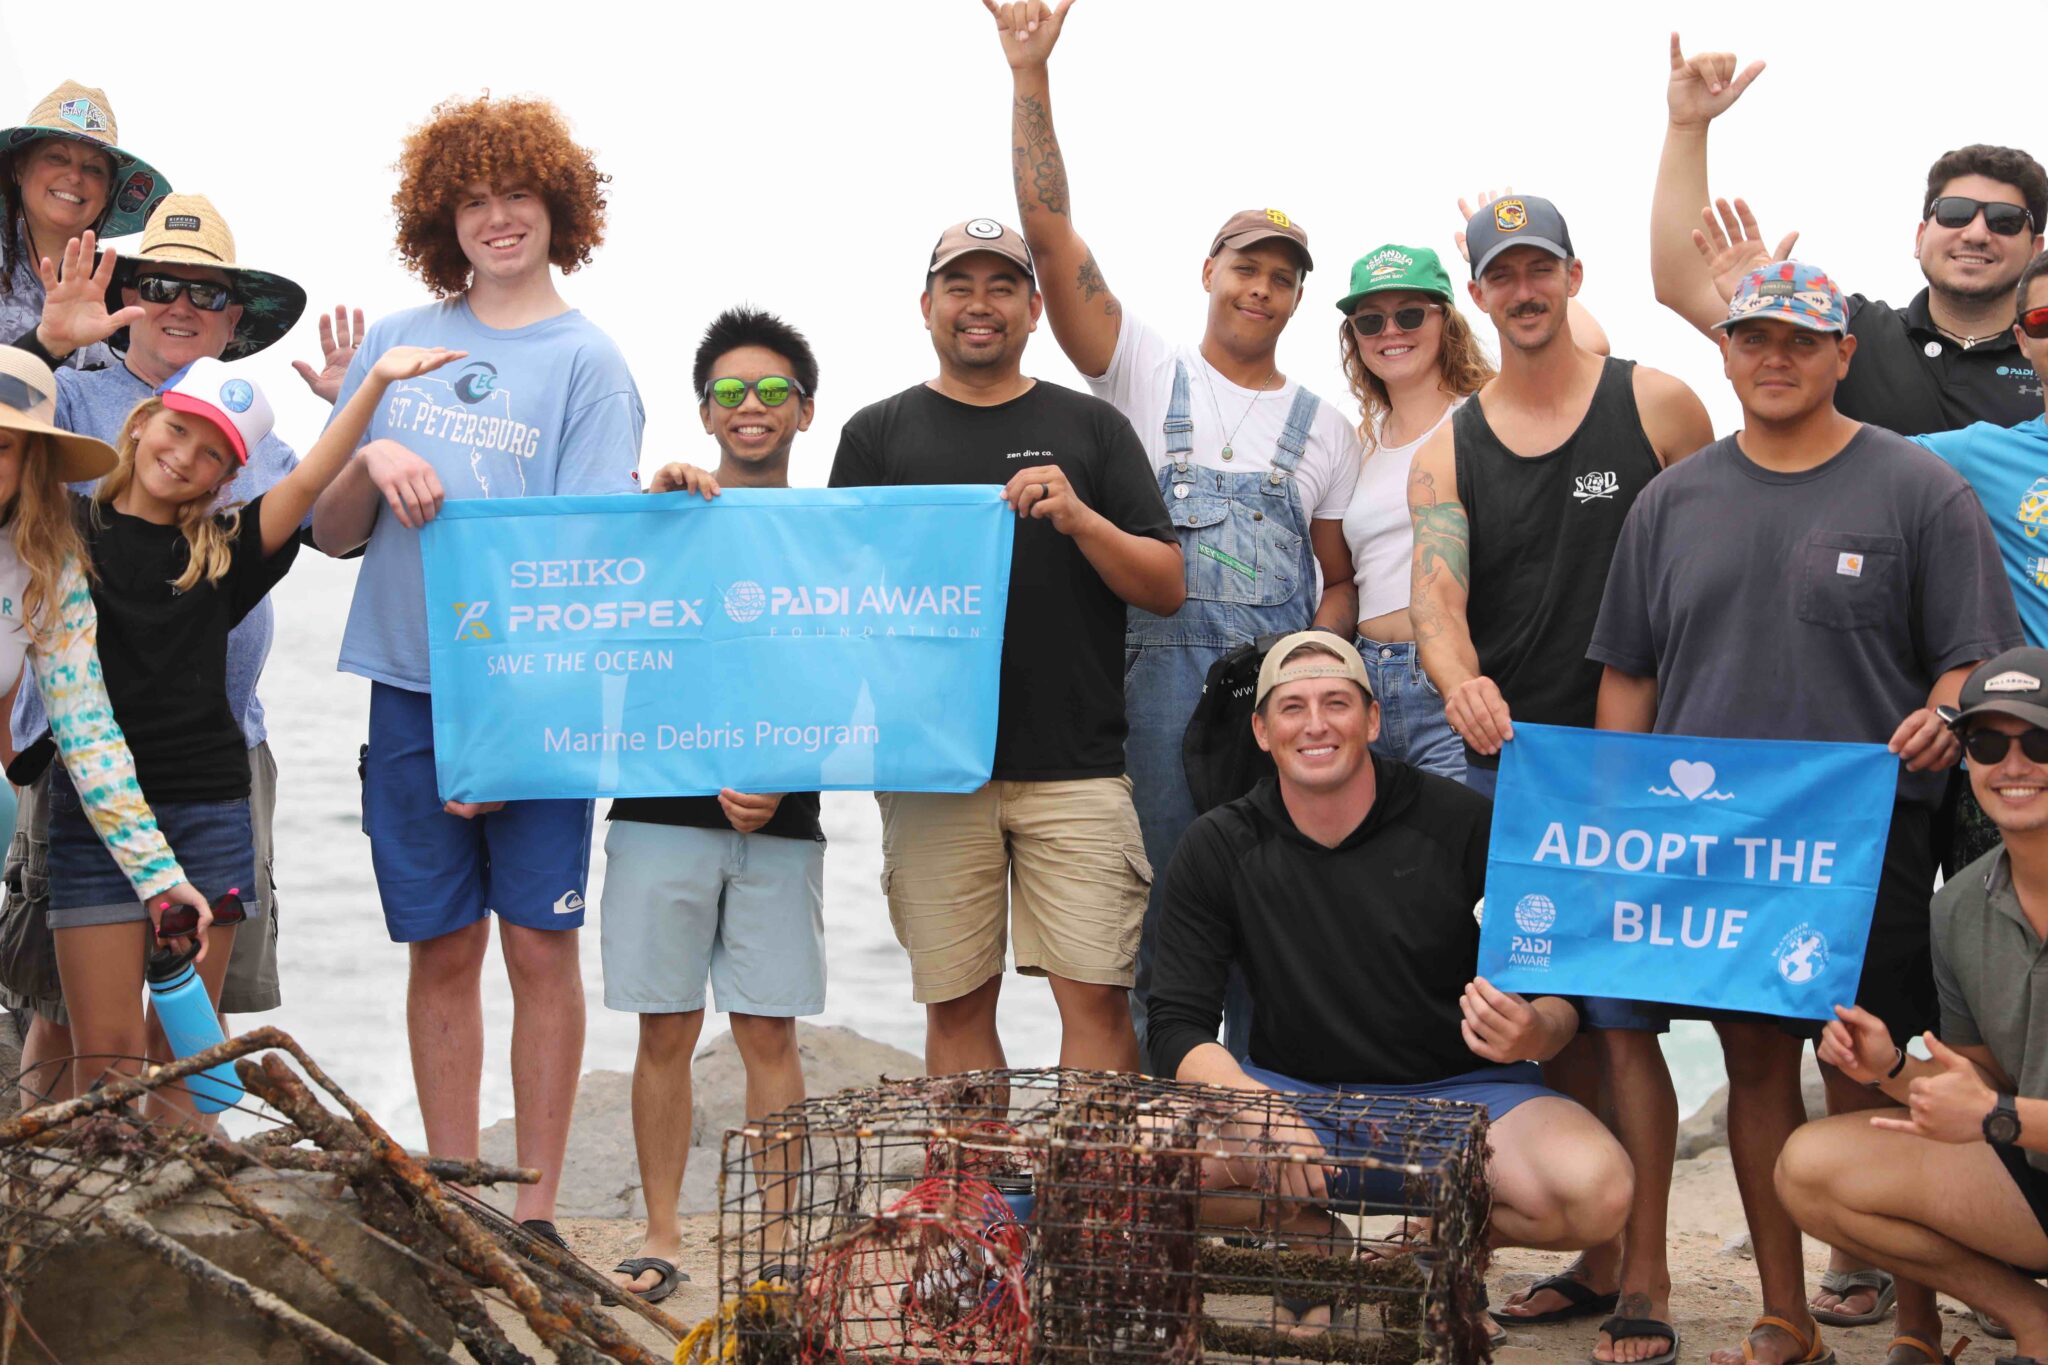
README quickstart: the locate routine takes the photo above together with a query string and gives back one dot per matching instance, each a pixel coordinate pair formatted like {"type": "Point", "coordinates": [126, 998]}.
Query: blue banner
{"type": "Point", "coordinates": [1732, 874]}
{"type": "Point", "coordinates": [771, 640]}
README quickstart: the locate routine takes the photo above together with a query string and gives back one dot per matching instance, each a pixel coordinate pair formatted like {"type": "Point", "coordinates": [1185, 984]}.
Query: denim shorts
{"type": "Point", "coordinates": [211, 840]}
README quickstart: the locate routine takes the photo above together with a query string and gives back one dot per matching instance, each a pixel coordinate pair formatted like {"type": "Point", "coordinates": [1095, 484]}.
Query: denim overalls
{"type": "Point", "coordinates": [1250, 572]}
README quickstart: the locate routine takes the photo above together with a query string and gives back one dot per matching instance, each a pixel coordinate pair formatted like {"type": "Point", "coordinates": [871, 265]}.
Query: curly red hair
{"type": "Point", "coordinates": [507, 144]}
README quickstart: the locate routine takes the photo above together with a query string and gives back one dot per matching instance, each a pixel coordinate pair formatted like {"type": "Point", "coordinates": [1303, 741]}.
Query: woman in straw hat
{"type": "Point", "coordinates": [63, 173]}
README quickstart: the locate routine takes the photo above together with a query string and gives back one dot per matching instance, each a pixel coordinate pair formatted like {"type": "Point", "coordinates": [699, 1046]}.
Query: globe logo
{"type": "Point", "coordinates": [745, 601]}
{"type": "Point", "coordinates": [236, 395]}
{"type": "Point", "coordinates": [1535, 914]}
{"type": "Point", "coordinates": [1802, 955]}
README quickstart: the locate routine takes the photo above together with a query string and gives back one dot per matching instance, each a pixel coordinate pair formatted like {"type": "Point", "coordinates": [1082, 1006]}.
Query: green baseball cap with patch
{"type": "Point", "coordinates": [1396, 267]}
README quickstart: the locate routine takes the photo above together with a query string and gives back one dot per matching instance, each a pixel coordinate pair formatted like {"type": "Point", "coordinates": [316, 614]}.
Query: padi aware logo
{"type": "Point", "coordinates": [1535, 914]}
{"type": "Point", "coordinates": [1531, 945]}
{"type": "Point", "coordinates": [237, 395]}
{"type": "Point", "coordinates": [471, 625]}
{"type": "Point", "coordinates": [1802, 955]}
{"type": "Point", "coordinates": [745, 601]}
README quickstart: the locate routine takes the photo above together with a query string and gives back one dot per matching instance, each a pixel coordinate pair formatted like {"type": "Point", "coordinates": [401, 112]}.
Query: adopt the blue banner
{"type": "Point", "coordinates": [771, 640]}
{"type": "Point", "coordinates": [1725, 873]}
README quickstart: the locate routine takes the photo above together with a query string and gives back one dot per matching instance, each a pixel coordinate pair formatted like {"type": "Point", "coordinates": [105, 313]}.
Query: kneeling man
{"type": "Point", "coordinates": [1952, 1191]}
{"type": "Point", "coordinates": [1344, 888]}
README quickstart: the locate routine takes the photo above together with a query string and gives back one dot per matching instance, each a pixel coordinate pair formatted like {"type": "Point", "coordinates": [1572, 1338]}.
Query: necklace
{"type": "Point", "coordinates": [1210, 385]}
{"type": "Point", "coordinates": [1965, 342]}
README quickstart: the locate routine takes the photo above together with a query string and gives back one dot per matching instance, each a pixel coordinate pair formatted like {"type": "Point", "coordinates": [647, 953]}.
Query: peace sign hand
{"type": "Point", "coordinates": [1703, 86]}
{"type": "Point", "coordinates": [1029, 28]}
{"type": "Point", "coordinates": [1948, 1106]}
{"type": "Point", "coordinates": [75, 299]}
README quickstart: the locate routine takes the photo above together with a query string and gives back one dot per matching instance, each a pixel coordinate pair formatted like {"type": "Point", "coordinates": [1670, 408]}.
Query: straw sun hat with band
{"type": "Point", "coordinates": [186, 229]}
{"type": "Point", "coordinates": [80, 113]}
{"type": "Point", "coordinates": [28, 402]}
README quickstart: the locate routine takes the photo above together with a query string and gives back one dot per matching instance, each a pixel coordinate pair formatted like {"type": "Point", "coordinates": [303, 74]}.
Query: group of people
{"type": "Point", "coordinates": [1558, 538]}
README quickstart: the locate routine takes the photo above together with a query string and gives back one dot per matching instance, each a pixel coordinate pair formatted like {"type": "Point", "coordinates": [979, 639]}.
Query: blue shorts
{"type": "Point", "coordinates": [210, 839]}
{"type": "Point", "coordinates": [1350, 1126]}
{"type": "Point", "coordinates": [436, 873]}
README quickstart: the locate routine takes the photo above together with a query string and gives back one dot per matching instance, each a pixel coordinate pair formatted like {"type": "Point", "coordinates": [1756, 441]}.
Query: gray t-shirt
{"type": "Point", "coordinates": [1987, 968]}
{"type": "Point", "coordinates": [1817, 605]}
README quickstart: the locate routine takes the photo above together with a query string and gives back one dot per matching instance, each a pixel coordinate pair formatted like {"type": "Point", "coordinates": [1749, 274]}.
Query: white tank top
{"type": "Point", "coordinates": [1376, 525]}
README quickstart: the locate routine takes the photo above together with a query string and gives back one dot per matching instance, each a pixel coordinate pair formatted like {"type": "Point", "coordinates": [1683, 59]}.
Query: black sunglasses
{"type": "Point", "coordinates": [1407, 319]}
{"type": "Point", "coordinates": [1987, 746]}
{"type": "Point", "coordinates": [206, 296]}
{"type": "Point", "coordinates": [1955, 211]}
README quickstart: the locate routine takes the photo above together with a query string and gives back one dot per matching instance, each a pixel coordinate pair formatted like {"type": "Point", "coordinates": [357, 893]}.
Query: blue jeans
{"type": "Point", "coordinates": [1482, 780]}
{"type": "Point", "coordinates": [1412, 724]}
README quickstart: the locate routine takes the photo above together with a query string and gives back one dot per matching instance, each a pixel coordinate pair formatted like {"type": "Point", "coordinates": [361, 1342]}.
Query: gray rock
{"type": "Point", "coordinates": [100, 1297]}
{"type": "Point", "coordinates": [601, 1177]}
{"type": "Point", "coordinates": [1707, 1128]}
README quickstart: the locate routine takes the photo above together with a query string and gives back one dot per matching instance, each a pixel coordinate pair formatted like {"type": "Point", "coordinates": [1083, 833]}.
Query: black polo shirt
{"type": "Point", "coordinates": [1909, 378]}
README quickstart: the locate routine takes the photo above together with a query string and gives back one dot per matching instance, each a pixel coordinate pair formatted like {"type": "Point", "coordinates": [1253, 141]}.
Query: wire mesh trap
{"type": "Point", "coordinates": [1068, 1217]}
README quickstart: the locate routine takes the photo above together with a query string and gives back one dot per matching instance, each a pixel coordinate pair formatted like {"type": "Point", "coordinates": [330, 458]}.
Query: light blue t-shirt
{"type": "Point", "coordinates": [548, 408]}
{"type": "Point", "coordinates": [21, 309]}
{"type": "Point", "coordinates": [97, 403]}
{"type": "Point", "coordinates": [2008, 466]}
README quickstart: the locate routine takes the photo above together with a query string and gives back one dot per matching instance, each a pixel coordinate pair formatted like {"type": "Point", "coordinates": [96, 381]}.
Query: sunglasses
{"type": "Point", "coordinates": [773, 390]}
{"type": "Point", "coordinates": [2034, 322]}
{"type": "Point", "coordinates": [1986, 746]}
{"type": "Point", "coordinates": [182, 921]}
{"type": "Point", "coordinates": [1407, 319]}
{"type": "Point", "coordinates": [206, 296]}
{"type": "Point", "coordinates": [1955, 211]}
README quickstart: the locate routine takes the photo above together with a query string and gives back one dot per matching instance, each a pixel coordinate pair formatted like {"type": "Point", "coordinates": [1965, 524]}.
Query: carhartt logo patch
{"type": "Point", "coordinates": [1849, 565]}
{"type": "Point", "coordinates": [2013, 681]}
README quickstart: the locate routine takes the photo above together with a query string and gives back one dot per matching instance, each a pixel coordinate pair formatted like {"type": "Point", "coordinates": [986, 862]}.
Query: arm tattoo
{"type": "Point", "coordinates": [1039, 156]}
{"type": "Point", "coordinates": [1443, 539]}
{"type": "Point", "coordinates": [1091, 282]}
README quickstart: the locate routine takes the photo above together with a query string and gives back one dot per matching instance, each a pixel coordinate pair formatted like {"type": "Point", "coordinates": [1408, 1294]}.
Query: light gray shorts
{"type": "Point", "coordinates": [683, 906]}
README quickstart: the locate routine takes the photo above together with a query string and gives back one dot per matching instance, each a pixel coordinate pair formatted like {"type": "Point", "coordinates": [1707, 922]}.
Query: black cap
{"type": "Point", "coordinates": [2013, 684]}
{"type": "Point", "coordinates": [1518, 220]}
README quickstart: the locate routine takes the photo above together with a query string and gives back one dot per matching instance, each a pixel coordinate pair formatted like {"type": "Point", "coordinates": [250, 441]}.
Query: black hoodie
{"type": "Point", "coordinates": [1356, 955]}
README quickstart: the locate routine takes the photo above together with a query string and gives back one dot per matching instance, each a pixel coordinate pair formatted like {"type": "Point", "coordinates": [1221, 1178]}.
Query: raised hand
{"type": "Point", "coordinates": [1029, 28]}
{"type": "Point", "coordinates": [1857, 1044]}
{"type": "Point", "coordinates": [686, 478]}
{"type": "Point", "coordinates": [338, 342]}
{"type": "Point", "coordinates": [75, 299]}
{"type": "Point", "coordinates": [1703, 86]}
{"type": "Point", "coordinates": [1733, 245]}
{"type": "Point", "coordinates": [1948, 1106]}
{"type": "Point", "coordinates": [1465, 212]}
{"type": "Point", "coordinates": [410, 362]}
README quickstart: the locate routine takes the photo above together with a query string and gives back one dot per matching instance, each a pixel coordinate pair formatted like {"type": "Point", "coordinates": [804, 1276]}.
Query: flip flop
{"type": "Point", "coordinates": [1934, 1355]}
{"type": "Point", "coordinates": [1581, 1301]}
{"type": "Point", "coordinates": [1619, 1328]}
{"type": "Point", "coordinates": [1815, 1352]}
{"type": "Point", "coordinates": [636, 1266]}
{"type": "Point", "coordinates": [1843, 1283]}
{"type": "Point", "coordinates": [1992, 1327]}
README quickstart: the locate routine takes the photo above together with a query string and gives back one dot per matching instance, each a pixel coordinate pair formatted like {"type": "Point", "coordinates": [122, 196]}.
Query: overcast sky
{"type": "Point", "coordinates": [803, 156]}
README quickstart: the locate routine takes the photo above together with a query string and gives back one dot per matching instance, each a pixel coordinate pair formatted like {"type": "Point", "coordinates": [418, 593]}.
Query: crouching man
{"type": "Point", "coordinates": [1952, 1190]}
{"type": "Point", "coordinates": [1344, 888]}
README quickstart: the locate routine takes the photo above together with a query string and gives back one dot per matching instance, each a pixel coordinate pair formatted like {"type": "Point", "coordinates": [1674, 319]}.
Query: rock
{"type": "Point", "coordinates": [601, 1177]}
{"type": "Point", "coordinates": [1707, 1128]}
{"type": "Point", "coordinates": [1738, 1246]}
{"type": "Point", "coordinates": [100, 1297]}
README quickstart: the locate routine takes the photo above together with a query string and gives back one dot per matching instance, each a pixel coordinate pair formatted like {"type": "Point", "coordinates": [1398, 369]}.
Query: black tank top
{"type": "Point", "coordinates": [1543, 530]}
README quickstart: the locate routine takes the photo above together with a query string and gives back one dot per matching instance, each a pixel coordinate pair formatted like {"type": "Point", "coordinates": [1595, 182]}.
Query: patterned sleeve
{"type": "Point", "coordinates": [67, 668]}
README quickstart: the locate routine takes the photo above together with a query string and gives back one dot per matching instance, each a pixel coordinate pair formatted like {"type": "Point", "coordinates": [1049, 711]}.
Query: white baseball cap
{"type": "Point", "coordinates": [224, 396]}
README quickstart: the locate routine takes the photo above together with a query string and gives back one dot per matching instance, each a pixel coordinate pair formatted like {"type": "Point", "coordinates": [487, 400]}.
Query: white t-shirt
{"type": "Point", "coordinates": [1139, 384]}
{"type": "Point", "coordinates": [1377, 527]}
{"type": "Point", "coordinates": [14, 638]}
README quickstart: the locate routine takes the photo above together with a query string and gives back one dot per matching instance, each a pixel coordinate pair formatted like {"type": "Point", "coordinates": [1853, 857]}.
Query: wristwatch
{"type": "Point", "coordinates": [2002, 1124]}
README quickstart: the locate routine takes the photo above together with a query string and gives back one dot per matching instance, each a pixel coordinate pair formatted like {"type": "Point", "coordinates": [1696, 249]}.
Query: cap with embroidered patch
{"type": "Point", "coordinates": [1409, 268]}
{"type": "Point", "coordinates": [224, 396]}
{"type": "Point", "coordinates": [1277, 668]}
{"type": "Point", "coordinates": [1518, 220]}
{"type": "Point", "coordinates": [2014, 683]}
{"type": "Point", "coordinates": [1789, 291]}
{"type": "Point", "coordinates": [1248, 227]}
{"type": "Point", "coordinates": [979, 234]}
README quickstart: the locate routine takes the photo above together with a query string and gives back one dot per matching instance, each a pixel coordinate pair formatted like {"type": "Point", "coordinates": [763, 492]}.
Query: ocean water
{"type": "Point", "coordinates": [344, 980]}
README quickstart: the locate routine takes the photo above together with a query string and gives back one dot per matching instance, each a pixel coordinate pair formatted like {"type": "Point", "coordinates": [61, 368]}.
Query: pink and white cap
{"type": "Point", "coordinates": [220, 393]}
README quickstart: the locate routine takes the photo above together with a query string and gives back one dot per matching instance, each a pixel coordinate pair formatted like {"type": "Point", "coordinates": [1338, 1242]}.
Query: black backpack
{"type": "Point", "coordinates": [1221, 758]}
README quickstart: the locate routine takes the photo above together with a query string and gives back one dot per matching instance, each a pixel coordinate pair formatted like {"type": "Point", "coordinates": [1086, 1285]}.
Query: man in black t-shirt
{"type": "Point", "coordinates": [728, 888]}
{"type": "Point", "coordinates": [1054, 826]}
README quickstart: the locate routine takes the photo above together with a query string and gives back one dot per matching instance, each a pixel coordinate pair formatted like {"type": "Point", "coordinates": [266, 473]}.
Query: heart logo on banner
{"type": "Point", "coordinates": [1692, 778]}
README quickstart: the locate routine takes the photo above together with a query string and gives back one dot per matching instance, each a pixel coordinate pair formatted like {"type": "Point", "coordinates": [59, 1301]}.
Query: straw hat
{"type": "Point", "coordinates": [28, 402]}
{"type": "Point", "coordinates": [82, 114]}
{"type": "Point", "coordinates": [186, 229]}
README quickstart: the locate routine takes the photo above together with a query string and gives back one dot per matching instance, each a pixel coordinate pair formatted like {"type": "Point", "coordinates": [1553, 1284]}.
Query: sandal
{"type": "Point", "coordinates": [1620, 1329]}
{"type": "Point", "coordinates": [1992, 1327]}
{"type": "Point", "coordinates": [1843, 1283]}
{"type": "Point", "coordinates": [1581, 1301]}
{"type": "Point", "coordinates": [636, 1266]}
{"type": "Point", "coordinates": [1934, 1355]}
{"type": "Point", "coordinates": [1815, 1352]}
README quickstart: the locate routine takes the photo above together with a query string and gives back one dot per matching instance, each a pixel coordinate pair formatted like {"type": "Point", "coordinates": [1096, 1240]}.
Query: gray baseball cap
{"type": "Point", "coordinates": [1518, 220]}
{"type": "Point", "coordinates": [2014, 683]}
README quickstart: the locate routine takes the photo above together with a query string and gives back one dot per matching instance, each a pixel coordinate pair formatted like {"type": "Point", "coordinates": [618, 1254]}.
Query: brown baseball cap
{"type": "Point", "coordinates": [979, 234]}
{"type": "Point", "coordinates": [1257, 225]}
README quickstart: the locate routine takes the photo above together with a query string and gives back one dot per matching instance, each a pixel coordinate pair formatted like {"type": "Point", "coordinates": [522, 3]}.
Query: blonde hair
{"type": "Point", "coordinates": [1462, 370]}
{"type": "Point", "coordinates": [44, 535]}
{"type": "Point", "coordinates": [209, 537]}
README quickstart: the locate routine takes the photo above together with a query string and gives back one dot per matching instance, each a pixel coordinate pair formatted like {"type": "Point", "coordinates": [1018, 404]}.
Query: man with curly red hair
{"type": "Point", "coordinates": [491, 193]}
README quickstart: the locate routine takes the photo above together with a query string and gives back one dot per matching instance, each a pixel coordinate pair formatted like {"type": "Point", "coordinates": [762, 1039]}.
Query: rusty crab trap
{"type": "Point", "coordinates": [1066, 1217]}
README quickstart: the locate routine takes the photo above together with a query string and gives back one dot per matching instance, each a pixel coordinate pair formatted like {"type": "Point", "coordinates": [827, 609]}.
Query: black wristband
{"type": "Point", "coordinates": [1898, 1065]}
{"type": "Point", "coordinates": [30, 342]}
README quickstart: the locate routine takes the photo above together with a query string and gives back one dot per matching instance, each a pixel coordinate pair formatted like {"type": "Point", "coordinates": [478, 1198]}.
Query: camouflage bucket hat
{"type": "Point", "coordinates": [80, 113]}
{"type": "Point", "coordinates": [186, 229]}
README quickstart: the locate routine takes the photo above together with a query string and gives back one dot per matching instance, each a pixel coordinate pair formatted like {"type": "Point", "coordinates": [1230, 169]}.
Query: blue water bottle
{"type": "Point", "coordinates": [187, 1016]}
